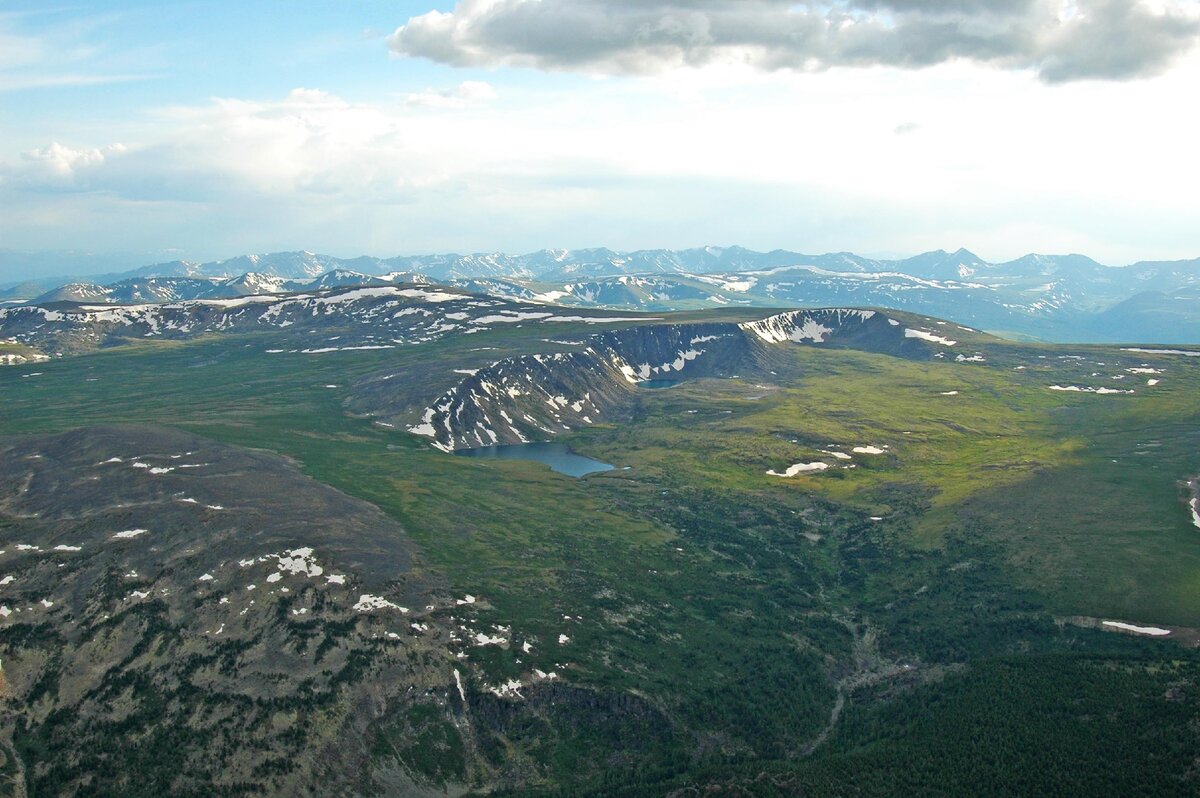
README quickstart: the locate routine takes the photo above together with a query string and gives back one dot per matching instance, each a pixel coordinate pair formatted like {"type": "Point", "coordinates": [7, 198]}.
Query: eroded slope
{"type": "Point", "coordinates": [200, 612]}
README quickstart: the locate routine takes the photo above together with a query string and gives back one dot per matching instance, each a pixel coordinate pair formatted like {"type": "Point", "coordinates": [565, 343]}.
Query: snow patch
{"type": "Point", "coordinates": [366, 603]}
{"type": "Point", "coordinates": [1078, 389]}
{"type": "Point", "coordinates": [799, 468]}
{"type": "Point", "coordinates": [1141, 630]}
{"type": "Point", "coordinates": [928, 336]}
{"type": "Point", "coordinates": [1184, 352]}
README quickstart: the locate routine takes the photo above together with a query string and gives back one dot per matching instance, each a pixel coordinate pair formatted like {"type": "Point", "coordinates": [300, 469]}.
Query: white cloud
{"type": "Point", "coordinates": [1001, 164]}
{"type": "Point", "coordinates": [469, 92]}
{"type": "Point", "coordinates": [1061, 40]}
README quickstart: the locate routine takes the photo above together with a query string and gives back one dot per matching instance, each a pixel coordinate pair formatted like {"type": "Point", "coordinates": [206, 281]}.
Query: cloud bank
{"type": "Point", "coordinates": [1060, 40]}
{"type": "Point", "coordinates": [866, 159]}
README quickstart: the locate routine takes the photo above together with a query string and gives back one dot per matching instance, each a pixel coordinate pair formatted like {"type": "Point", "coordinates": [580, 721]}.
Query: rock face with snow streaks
{"type": "Point", "coordinates": [532, 397]}
{"type": "Point", "coordinates": [849, 327]}
{"type": "Point", "coordinates": [535, 397]}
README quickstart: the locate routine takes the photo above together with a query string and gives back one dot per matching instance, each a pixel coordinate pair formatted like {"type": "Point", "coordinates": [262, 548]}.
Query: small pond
{"type": "Point", "coordinates": [555, 455]}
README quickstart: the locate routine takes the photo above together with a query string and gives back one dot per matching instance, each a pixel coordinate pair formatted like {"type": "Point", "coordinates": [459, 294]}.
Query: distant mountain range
{"type": "Point", "coordinates": [1052, 297]}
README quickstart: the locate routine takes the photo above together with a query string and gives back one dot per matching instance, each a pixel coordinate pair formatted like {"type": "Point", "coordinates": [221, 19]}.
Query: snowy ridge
{"type": "Point", "coordinates": [372, 316]}
{"type": "Point", "coordinates": [807, 325]}
{"type": "Point", "coordinates": [535, 397]}
{"type": "Point", "coordinates": [531, 397]}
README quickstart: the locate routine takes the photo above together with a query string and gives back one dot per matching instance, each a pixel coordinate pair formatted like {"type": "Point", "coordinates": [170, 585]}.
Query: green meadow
{"type": "Point", "coordinates": [793, 633]}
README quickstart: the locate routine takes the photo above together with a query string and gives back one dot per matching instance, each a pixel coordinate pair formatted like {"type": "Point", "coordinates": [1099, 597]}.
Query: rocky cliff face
{"type": "Point", "coordinates": [534, 397]}
{"type": "Point", "coordinates": [531, 397]}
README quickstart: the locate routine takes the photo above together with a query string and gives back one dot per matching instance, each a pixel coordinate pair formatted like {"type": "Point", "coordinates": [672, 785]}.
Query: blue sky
{"type": "Point", "coordinates": [150, 54]}
{"type": "Point", "coordinates": [205, 130]}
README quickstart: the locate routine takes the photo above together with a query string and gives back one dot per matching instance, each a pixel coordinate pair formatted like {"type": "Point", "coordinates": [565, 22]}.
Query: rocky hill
{"type": "Point", "coordinates": [183, 617]}
{"type": "Point", "coordinates": [179, 609]}
{"type": "Point", "coordinates": [374, 317]}
{"type": "Point", "coordinates": [530, 397]}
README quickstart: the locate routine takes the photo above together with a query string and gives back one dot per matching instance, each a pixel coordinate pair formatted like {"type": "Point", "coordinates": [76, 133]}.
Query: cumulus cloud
{"type": "Point", "coordinates": [306, 143]}
{"type": "Point", "coordinates": [1061, 40]}
{"type": "Point", "coordinates": [57, 167]}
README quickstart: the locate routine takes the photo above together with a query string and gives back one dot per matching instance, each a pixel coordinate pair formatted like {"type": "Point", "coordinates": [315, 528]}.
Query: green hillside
{"type": "Point", "coordinates": [922, 616]}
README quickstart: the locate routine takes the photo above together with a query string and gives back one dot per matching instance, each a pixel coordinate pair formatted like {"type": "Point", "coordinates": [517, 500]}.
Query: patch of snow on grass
{"type": "Point", "coordinates": [1184, 352]}
{"type": "Point", "coordinates": [603, 319]}
{"type": "Point", "coordinates": [1141, 630]}
{"type": "Point", "coordinates": [928, 336]}
{"type": "Point", "coordinates": [867, 450]}
{"type": "Point", "coordinates": [129, 533]}
{"type": "Point", "coordinates": [799, 468]}
{"type": "Point", "coordinates": [1078, 389]}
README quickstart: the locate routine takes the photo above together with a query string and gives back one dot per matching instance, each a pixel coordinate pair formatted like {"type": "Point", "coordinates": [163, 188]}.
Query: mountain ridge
{"type": "Point", "coordinates": [1064, 298]}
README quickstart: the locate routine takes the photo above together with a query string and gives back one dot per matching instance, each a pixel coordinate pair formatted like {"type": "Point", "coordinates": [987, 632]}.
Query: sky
{"type": "Point", "coordinates": [151, 131]}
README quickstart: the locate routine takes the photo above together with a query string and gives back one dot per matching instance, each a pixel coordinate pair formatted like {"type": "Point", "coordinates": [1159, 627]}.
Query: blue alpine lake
{"type": "Point", "coordinates": [555, 455]}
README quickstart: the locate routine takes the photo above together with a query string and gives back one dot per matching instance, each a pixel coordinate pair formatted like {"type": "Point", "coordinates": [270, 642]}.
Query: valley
{"type": "Point", "coordinates": [687, 619]}
{"type": "Point", "coordinates": [599, 399]}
